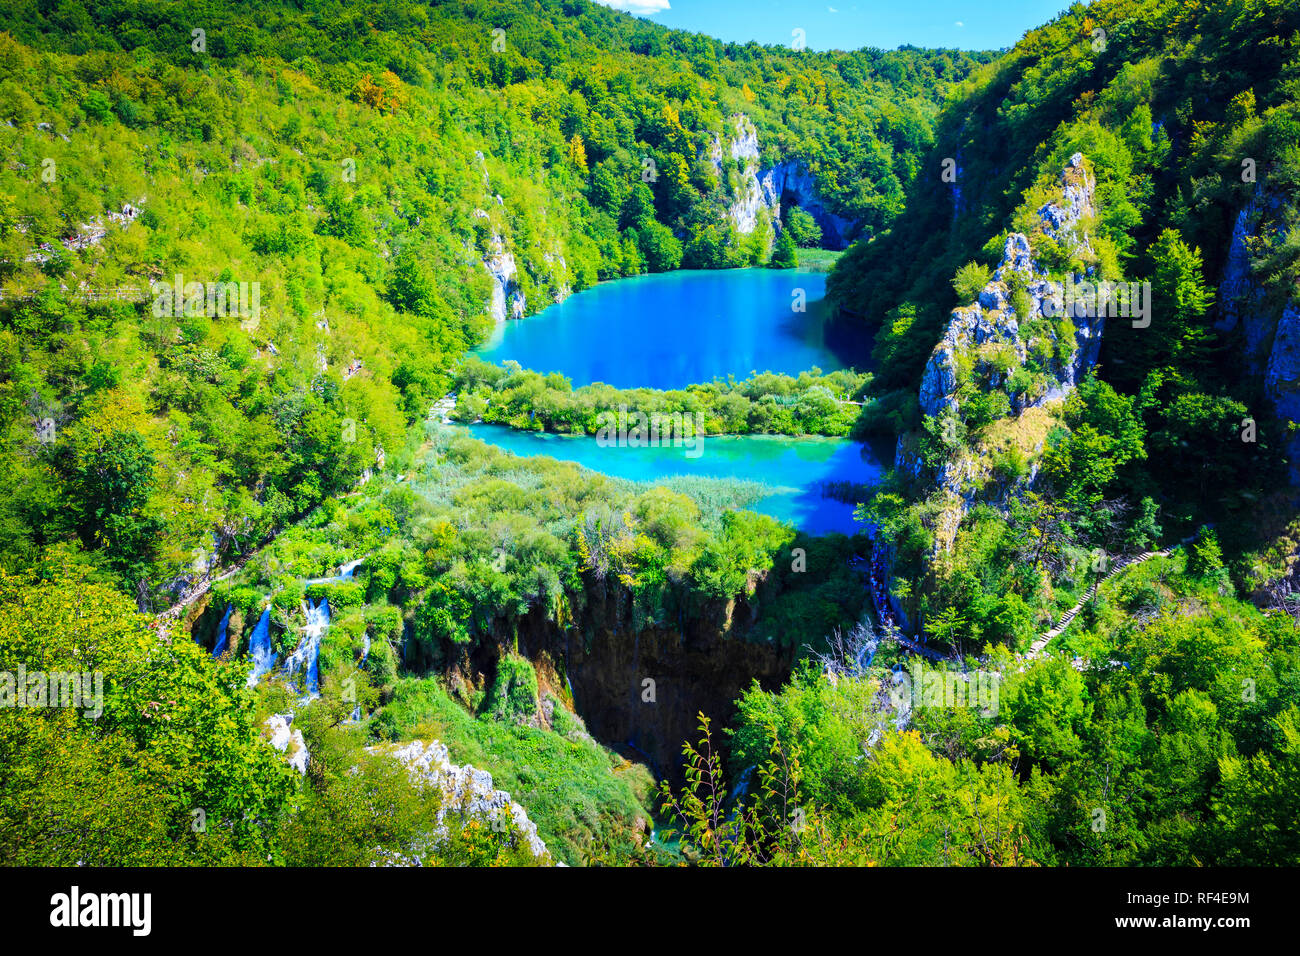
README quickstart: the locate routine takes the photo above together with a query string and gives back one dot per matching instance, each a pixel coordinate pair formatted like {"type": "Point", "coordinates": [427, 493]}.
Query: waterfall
{"type": "Point", "coordinates": [307, 653]}
{"type": "Point", "coordinates": [741, 790]}
{"type": "Point", "coordinates": [365, 653]}
{"type": "Point", "coordinates": [259, 648]}
{"type": "Point", "coordinates": [306, 656]}
{"type": "Point", "coordinates": [866, 653]}
{"type": "Point", "coordinates": [220, 647]}
{"type": "Point", "coordinates": [345, 574]}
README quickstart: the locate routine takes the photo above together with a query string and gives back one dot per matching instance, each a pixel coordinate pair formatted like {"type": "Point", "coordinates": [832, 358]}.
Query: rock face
{"type": "Point", "coordinates": [793, 180]}
{"type": "Point", "coordinates": [288, 740]}
{"type": "Point", "coordinates": [990, 329]}
{"type": "Point", "coordinates": [1240, 299]}
{"type": "Point", "coordinates": [546, 270]}
{"type": "Point", "coordinates": [698, 662]}
{"type": "Point", "coordinates": [466, 791]}
{"type": "Point", "coordinates": [1282, 379]}
{"type": "Point", "coordinates": [766, 188]}
{"type": "Point", "coordinates": [992, 321]}
{"type": "Point", "coordinates": [507, 301]}
{"type": "Point", "coordinates": [1270, 341]}
{"type": "Point", "coordinates": [751, 195]}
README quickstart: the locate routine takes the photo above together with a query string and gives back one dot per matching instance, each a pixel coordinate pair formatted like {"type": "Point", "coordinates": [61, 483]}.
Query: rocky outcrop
{"type": "Point", "coordinates": [751, 195]}
{"type": "Point", "coordinates": [466, 791]}
{"type": "Point", "coordinates": [1269, 335]}
{"type": "Point", "coordinates": [991, 340]}
{"type": "Point", "coordinates": [978, 330]}
{"type": "Point", "coordinates": [88, 234]}
{"type": "Point", "coordinates": [288, 740]}
{"type": "Point", "coordinates": [766, 188]}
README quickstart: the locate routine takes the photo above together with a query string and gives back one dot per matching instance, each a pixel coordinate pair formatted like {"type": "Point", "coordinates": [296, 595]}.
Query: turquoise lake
{"type": "Point", "coordinates": [675, 329]}
{"type": "Point", "coordinates": [794, 468]}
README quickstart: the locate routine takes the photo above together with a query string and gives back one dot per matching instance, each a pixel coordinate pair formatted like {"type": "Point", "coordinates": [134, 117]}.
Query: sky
{"type": "Point", "coordinates": [850, 24]}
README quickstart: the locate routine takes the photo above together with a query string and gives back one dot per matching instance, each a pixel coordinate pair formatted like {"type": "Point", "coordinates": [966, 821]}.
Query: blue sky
{"type": "Point", "coordinates": [850, 24]}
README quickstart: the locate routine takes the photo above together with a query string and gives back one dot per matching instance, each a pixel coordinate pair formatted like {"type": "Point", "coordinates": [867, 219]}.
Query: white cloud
{"type": "Point", "coordinates": [958, 23]}
{"type": "Point", "coordinates": [640, 8]}
{"type": "Point", "coordinates": [831, 10]}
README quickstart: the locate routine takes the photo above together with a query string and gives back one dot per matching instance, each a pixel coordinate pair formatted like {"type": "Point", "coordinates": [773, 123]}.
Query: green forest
{"type": "Point", "coordinates": [248, 253]}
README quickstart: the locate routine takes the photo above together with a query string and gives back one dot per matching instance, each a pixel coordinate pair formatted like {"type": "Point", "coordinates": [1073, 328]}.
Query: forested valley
{"type": "Point", "coordinates": [257, 479]}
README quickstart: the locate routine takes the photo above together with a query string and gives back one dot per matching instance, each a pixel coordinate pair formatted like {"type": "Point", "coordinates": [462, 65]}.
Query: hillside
{"type": "Point", "coordinates": [390, 183]}
{"type": "Point", "coordinates": [247, 251]}
{"type": "Point", "coordinates": [1192, 186]}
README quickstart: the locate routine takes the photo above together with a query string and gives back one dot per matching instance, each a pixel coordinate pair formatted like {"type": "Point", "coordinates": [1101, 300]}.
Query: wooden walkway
{"type": "Point", "coordinates": [876, 579]}
{"type": "Point", "coordinates": [1039, 646]}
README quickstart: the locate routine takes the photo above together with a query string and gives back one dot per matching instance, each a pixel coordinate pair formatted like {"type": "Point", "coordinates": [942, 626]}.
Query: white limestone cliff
{"type": "Point", "coordinates": [764, 187]}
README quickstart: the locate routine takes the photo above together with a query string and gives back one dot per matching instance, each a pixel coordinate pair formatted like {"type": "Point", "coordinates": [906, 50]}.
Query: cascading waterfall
{"type": "Point", "coordinates": [305, 658]}
{"type": "Point", "coordinates": [345, 574]}
{"type": "Point", "coordinates": [307, 654]}
{"type": "Point", "coordinates": [741, 790]}
{"type": "Point", "coordinates": [259, 649]}
{"type": "Point", "coordinates": [222, 640]}
{"type": "Point", "coordinates": [365, 653]}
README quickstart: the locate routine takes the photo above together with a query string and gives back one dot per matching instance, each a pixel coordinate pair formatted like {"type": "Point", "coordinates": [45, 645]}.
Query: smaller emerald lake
{"type": "Point", "coordinates": [793, 468]}
{"type": "Point", "coordinates": [674, 329]}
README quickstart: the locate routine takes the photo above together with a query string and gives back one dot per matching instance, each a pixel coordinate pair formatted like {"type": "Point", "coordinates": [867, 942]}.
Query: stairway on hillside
{"type": "Point", "coordinates": [1040, 645]}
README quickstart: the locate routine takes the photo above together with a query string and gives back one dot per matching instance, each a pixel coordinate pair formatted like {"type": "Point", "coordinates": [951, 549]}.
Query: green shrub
{"type": "Point", "coordinates": [803, 228]}
{"type": "Point", "coordinates": [513, 696]}
{"type": "Point", "coordinates": [970, 280]}
{"type": "Point", "coordinates": [985, 407]}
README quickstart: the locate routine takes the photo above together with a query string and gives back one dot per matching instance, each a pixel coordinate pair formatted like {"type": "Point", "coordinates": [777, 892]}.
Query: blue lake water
{"type": "Point", "coordinates": [675, 329]}
{"type": "Point", "coordinates": [793, 468]}
{"type": "Point", "coordinates": [679, 328]}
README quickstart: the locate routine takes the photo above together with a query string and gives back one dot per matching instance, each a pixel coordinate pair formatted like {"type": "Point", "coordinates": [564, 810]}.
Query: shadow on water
{"type": "Point", "coordinates": [823, 328]}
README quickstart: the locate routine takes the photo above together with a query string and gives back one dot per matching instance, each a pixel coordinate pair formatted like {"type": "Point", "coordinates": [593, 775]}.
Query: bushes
{"type": "Point", "coordinates": [341, 595]}
{"type": "Point", "coordinates": [115, 781]}
{"type": "Point", "coordinates": [660, 249]}
{"type": "Point", "coordinates": [802, 227]}
{"type": "Point", "coordinates": [783, 254]}
{"type": "Point", "coordinates": [1205, 558]}
{"type": "Point", "coordinates": [513, 696]}
{"type": "Point", "coordinates": [1009, 464]}
{"type": "Point", "coordinates": [892, 413]}
{"type": "Point", "coordinates": [811, 403]}
{"type": "Point", "coordinates": [985, 407]}
{"type": "Point", "coordinates": [970, 281]}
